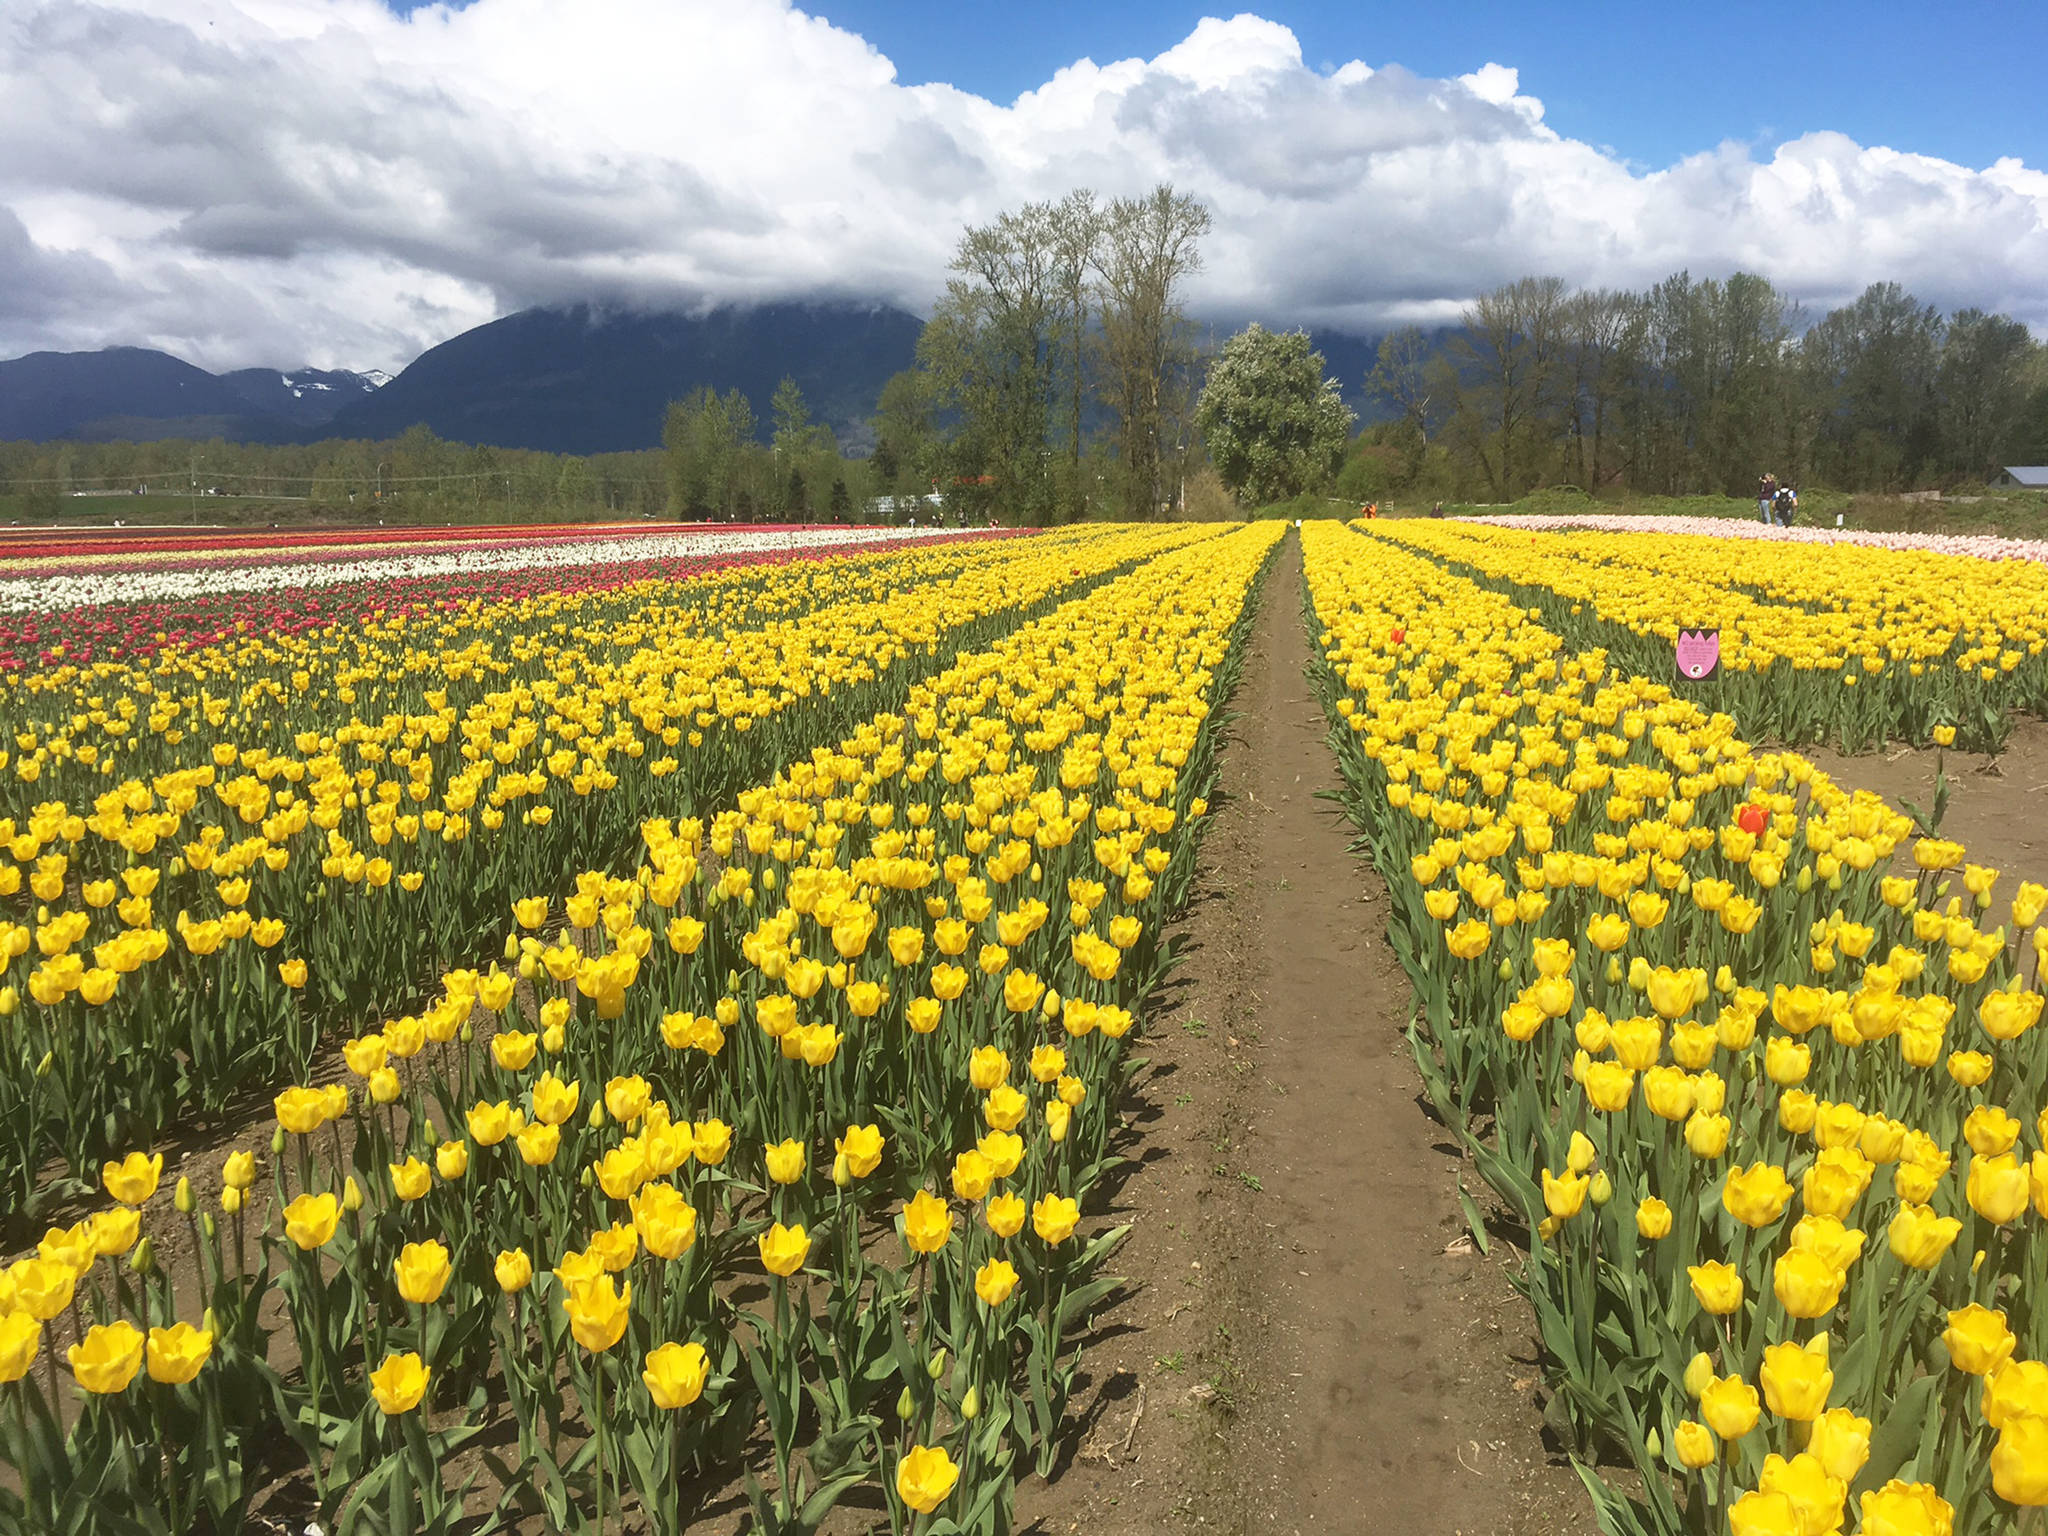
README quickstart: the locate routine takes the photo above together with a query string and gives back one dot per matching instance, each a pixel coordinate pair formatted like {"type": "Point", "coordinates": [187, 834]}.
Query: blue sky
{"type": "Point", "coordinates": [1654, 81]}
{"type": "Point", "coordinates": [1961, 79]}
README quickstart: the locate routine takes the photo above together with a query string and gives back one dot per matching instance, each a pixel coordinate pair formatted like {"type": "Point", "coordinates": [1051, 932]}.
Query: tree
{"type": "Point", "coordinates": [1273, 424]}
{"type": "Point", "coordinates": [1605, 334]}
{"type": "Point", "coordinates": [1503, 377]}
{"type": "Point", "coordinates": [1980, 388]}
{"type": "Point", "coordinates": [1076, 231]}
{"type": "Point", "coordinates": [705, 438]}
{"type": "Point", "coordinates": [988, 353]}
{"type": "Point", "coordinates": [1399, 379]}
{"type": "Point", "coordinates": [1149, 247]}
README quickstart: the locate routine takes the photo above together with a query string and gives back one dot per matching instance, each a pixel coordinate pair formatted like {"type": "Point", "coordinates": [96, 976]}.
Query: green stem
{"type": "Point", "coordinates": [597, 1365]}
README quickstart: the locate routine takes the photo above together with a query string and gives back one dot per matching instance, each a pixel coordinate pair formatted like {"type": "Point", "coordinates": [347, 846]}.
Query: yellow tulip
{"type": "Point", "coordinates": [783, 1249]}
{"type": "Point", "coordinates": [675, 1374]}
{"type": "Point", "coordinates": [598, 1313]}
{"type": "Point", "coordinates": [108, 1357]}
{"type": "Point", "coordinates": [422, 1271]}
{"type": "Point", "coordinates": [399, 1383]}
{"type": "Point", "coordinates": [175, 1354]}
{"type": "Point", "coordinates": [924, 1477]}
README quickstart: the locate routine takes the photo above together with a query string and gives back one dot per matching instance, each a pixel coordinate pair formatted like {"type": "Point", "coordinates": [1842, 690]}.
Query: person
{"type": "Point", "coordinates": [1371, 509]}
{"type": "Point", "coordinates": [1784, 504]}
{"type": "Point", "coordinates": [1766, 494]}
{"type": "Point", "coordinates": [1437, 510]}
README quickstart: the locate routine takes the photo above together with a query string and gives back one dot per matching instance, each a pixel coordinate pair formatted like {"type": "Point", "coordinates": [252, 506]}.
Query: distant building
{"type": "Point", "coordinates": [2033, 477]}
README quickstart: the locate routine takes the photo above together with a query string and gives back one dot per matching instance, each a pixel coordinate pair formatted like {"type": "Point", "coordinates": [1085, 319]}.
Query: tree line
{"type": "Point", "coordinates": [717, 467]}
{"type": "Point", "coordinates": [1699, 386]}
{"type": "Point", "coordinates": [416, 475]}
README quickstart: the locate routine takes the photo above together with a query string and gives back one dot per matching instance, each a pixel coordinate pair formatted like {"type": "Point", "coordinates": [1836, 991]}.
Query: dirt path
{"type": "Point", "coordinates": [1301, 1352]}
{"type": "Point", "coordinates": [1997, 807]}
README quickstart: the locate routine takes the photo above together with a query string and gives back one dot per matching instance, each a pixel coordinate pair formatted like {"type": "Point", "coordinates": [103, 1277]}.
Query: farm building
{"type": "Point", "coordinates": [2032, 476]}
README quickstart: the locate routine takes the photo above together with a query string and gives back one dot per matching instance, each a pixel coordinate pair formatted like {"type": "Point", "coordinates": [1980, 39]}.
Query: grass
{"type": "Point", "coordinates": [2013, 514]}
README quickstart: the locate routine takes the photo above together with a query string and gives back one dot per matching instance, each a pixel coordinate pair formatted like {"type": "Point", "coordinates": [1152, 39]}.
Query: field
{"type": "Point", "coordinates": [623, 1028]}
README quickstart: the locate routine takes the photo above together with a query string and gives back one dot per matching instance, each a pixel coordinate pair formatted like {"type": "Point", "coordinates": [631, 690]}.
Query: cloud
{"type": "Point", "coordinates": [287, 181]}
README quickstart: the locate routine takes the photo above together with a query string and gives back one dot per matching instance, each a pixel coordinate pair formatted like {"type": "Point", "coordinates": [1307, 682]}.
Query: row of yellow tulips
{"type": "Point", "coordinates": [318, 839]}
{"type": "Point", "coordinates": [1758, 1066]}
{"type": "Point", "coordinates": [791, 1126]}
{"type": "Point", "coordinates": [1836, 643]}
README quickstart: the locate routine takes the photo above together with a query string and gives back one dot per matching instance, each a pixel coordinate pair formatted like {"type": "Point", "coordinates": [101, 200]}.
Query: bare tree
{"type": "Point", "coordinates": [1504, 367]}
{"type": "Point", "coordinates": [1150, 245]}
{"type": "Point", "coordinates": [1076, 230]}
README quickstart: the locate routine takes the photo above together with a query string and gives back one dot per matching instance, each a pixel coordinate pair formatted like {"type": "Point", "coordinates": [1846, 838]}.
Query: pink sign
{"type": "Point", "coordinates": [1699, 652]}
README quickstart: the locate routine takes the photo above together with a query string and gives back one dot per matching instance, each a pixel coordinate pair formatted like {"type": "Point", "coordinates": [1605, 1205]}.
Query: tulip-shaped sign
{"type": "Point", "coordinates": [1699, 652]}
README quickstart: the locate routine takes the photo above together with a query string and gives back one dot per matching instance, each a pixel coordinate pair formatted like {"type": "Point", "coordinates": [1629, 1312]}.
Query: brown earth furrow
{"type": "Point", "coordinates": [1311, 1356]}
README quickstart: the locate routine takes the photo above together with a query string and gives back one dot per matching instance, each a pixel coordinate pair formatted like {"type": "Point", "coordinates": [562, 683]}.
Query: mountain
{"type": "Point", "coordinates": [138, 394]}
{"type": "Point", "coordinates": [1348, 359]}
{"type": "Point", "coordinates": [578, 379]}
{"type": "Point", "coordinates": [587, 380]}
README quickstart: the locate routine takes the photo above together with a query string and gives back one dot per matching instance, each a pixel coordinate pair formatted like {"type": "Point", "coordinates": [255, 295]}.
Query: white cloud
{"type": "Point", "coordinates": [282, 181]}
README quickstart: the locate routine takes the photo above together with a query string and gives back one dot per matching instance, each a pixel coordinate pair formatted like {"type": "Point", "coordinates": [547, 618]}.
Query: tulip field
{"type": "Point", "coordinates": [534, 1029]}
{"type": "Point", "coordinates": [686, 990]}
{"type": "Point", "coordinates": [1755, 1056]}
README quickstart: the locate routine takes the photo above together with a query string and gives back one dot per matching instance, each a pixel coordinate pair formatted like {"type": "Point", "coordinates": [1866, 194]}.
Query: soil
{"type": "Point", "coordinates": [1310, 1342]}
{"type": "Point", "coordinates": [1997, 806]}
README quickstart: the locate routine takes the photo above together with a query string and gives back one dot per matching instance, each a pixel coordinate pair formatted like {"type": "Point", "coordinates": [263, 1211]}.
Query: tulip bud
{"type": "Point", "coordinates": [1614, 971]}
{"type": "Point", "coordinates": [528, 968]}
{"type": "Point", "coordinates": [906, 1405]}
{"type": "Point", "coordinates": [351, 1195]}
{"type": "Point", "coordinates": [732, 981]}
{"type": "Point", "coordinates": [768, 879]}
{"type": "Point", "coordinates": [277, 1142]}
{"type": "Point", "coordinates": [1978, 1262]}
{"type": "Point", "coordinates": [1638, 973]}
{"type": "Point", "coordinates": [1804, 882]}
{"type": "Point", "coordinates": [970, 1405]}
{"type": "Point", "coordinates": [183, 1199]}
{"type": "Point", "coordinates": [588, 1177]}
{"type": "Point", "coordinates": [467, 1033]}
{"type": "Point", "coordinates": [841, 1174]}
{"type": "Point", "coordinates": [1601, 1190]}
{"type": "Point", "coordinates": [511, 947]}
{"type": "Point", "coordinates": [143, 1259]}
{"type": "Point", "coordinates": [9, 1001]}
{"type": "Point", "coordinates": [1507, 970]}
{"type": "Point", "coordinates": [936, 1366]}
{"type": "Point", "coordinates": [1941, 890]}
{"type": "Point", "coordinates": [1698, 1373]}
{"type": "Point", "coordinates": [206, 1224]}
{"type": "Point", "coordinates": [1835, 881]}
{"type": "Point", "coordinates": [1579, 1153]}
{"type": "Point", "coordinates": [231, 1200]}
{"type": "Point", "coordinates": [206, 1321]}
{"type": "Point", "coordinates": [43, 1067]}
{"type": "Point", "coordinates": [1654, 1443]}
{"type": "Point", "coordinates": [597, 1116]}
